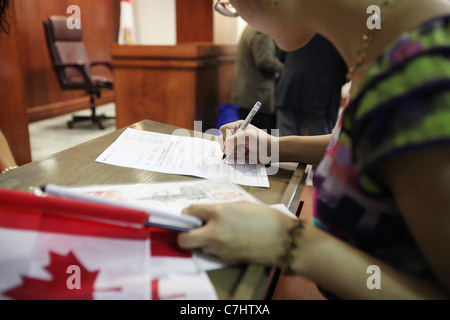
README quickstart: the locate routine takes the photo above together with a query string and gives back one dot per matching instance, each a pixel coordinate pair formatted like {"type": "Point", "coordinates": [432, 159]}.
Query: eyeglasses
{"type": "Point", "coordinates": [225, 8]}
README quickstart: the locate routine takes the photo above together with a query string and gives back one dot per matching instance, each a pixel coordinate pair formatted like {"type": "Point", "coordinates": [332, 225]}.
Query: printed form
{"type": "Point", "coordinates": [179, 155]}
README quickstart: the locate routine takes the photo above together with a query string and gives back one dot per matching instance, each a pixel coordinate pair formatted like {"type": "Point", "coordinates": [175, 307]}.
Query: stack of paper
{"type": "Point", "coordinates": [179, 155]}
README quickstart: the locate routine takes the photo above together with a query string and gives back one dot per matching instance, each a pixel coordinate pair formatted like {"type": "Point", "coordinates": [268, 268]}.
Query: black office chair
{"type": "Point", "coordinates": [72, 66]}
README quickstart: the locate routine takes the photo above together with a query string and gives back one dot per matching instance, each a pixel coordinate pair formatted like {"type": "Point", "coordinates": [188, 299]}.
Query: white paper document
{"type": "Point", "coordinates": [168, 195]}
{"type": "Point", "coordinates": [173, 197]}
{"type": "Point", "coordinates": [179, 155]}
{"type": "Point", "coordinates": [164, 202]}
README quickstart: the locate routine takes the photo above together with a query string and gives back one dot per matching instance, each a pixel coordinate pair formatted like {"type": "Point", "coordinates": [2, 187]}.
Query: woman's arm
{"type": "Point", "coordinates": [420, 182]}
{"type": "Point", "coordinates": [248, 144]}
{"type": "Point", "coordinates": [254, 233]}
{"type": "Point", "coordinates": [305, 149]}
{"type": "Point", "coordinates": [346, 271]}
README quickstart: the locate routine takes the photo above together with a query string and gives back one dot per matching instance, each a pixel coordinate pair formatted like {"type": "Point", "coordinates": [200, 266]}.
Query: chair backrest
{"type": "Point", "coordinates": [65, 46]}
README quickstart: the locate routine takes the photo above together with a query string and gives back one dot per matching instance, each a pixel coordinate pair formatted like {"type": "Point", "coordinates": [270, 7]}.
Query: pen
{"type": "Point", "coordinates": [190, 221]}
{"type": "Point", "coordinates": [247, 121]}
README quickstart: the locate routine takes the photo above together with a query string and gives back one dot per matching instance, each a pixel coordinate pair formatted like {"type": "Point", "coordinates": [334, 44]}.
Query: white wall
{"type": "Point", "coordinates": [227, 30]}
{"type": "Point", "coordinates": [155, 22]}
{"type": "Point", "coordinates": [241, 24]}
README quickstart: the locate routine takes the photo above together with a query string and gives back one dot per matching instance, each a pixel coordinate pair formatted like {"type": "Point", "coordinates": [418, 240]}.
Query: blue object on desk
{"type": "Point", "coordinates": [227, 113]}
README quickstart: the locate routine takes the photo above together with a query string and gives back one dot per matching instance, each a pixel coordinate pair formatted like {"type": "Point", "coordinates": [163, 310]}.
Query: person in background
{"type": "Point", "coordinates": [381, 227]}
{"type": "Point", "coordinates": [7, 161]}
{"type": "Point", "coordinates": [256, 69]}
{"type": "Point", "coordinates": [308, 92]}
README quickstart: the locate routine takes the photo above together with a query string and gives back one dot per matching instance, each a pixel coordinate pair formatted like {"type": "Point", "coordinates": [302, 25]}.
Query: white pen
{"type": "Point", "coordinates": [65, 192]}
{"type": "Point", "coordinates": [247, 120]}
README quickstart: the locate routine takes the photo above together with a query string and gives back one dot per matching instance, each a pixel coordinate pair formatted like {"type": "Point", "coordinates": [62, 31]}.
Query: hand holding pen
{"type": "Point", "coordinates": [247, 121]}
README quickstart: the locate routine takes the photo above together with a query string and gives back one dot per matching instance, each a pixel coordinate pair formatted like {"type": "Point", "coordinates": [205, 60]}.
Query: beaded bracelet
{"type": "Point", "coordinates": [287, 259]}
{"type": "Point", "coordinates": [8, 169]}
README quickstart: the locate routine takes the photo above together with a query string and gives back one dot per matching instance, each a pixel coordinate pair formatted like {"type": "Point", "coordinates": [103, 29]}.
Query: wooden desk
{"type": "Point", "coordinates": [76, 166]}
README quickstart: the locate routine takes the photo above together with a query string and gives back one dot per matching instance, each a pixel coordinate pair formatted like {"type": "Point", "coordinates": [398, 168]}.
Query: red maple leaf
{"type": "Point", "coordinates": [156, 295]}
{"type": "Point", "coordinates": [57, 288]}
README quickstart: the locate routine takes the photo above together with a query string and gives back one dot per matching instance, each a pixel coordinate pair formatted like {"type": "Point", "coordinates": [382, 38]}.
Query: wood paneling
{"type": "Point", "coordinates": [13, 117]}
{"type": "Point", "coordinates": [194, 21]}
{"type": "Point", "coordinates": [176, 85]}
{"type": "Point", "coordinates": [100, 23]}
{"type": "Point", "coordinates": [29, 89]}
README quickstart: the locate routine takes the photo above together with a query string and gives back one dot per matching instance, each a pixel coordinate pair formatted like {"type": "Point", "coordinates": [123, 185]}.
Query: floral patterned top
{"type": "Point", "coordinates": [402, 104]}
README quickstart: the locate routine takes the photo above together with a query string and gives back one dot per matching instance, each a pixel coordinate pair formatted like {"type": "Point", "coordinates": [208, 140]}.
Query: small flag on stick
{"type": "Point", "coordinates": [126, 33]}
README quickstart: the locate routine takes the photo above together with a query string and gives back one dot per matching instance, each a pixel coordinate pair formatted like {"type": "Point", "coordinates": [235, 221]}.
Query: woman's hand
{"type": "Point", "coordinates": [252, 145]}
{"type": "Point", "coordinates": [239, 232]}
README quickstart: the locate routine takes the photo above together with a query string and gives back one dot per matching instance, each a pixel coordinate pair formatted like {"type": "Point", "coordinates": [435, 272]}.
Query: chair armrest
{"type": "Point", "coordinates": [80, 67]}
{"type": "Point", "coordinates": [104, 63]}
{"type": "Point", "coordinates": [61, 65]}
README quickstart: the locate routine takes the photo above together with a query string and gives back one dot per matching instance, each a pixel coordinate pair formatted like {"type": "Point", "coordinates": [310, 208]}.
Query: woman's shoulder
{"type": "Point", "coordinates": [418, 61]}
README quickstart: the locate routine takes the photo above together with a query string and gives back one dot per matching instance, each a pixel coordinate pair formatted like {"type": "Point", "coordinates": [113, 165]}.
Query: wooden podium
{"type": "Point", "coordinates": [176, 85]}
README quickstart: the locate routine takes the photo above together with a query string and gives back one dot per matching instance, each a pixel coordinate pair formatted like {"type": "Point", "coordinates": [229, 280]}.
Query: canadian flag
{"type": "Point", "coordinates": [127, 34]}
{"type": "Point", "coordinates": [176, 274]}
{"type": "Point", "coordinates": [58, 249]}
{"type": "Point", "coordinates": [47, 253]}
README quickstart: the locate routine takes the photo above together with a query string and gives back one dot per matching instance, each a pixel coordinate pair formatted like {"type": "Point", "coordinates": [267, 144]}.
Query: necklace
{"type": "Point", "coordinates": [368, 37]}
{"type": "Point", "coordinates": [273, 4]}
